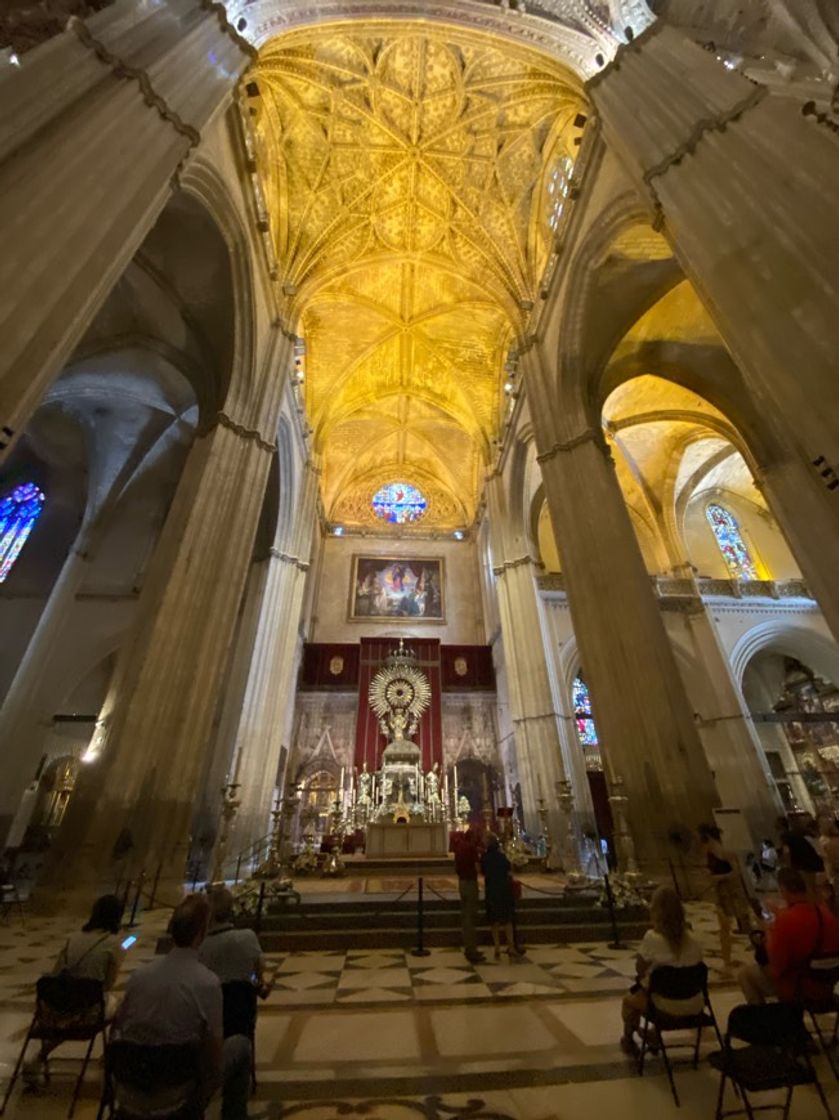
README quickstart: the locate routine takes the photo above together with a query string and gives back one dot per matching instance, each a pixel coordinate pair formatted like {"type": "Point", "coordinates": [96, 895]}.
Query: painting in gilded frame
{"type": "Point", "coordinates": [388, 587]}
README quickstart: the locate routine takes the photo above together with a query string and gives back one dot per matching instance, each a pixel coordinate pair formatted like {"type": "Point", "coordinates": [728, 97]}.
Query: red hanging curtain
{"type": "Point", "coordinates": [369, 741]}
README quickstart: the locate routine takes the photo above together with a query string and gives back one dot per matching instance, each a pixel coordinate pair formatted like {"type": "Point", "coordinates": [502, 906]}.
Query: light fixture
{"type": "Point", "coordinates": [338, 530]}
{"type": "Point", "coordinates": [458, 534]}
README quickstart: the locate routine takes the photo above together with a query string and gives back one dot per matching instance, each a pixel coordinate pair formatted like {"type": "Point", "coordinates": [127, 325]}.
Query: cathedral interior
{"type": "Point", "coordinates": [414, 417]}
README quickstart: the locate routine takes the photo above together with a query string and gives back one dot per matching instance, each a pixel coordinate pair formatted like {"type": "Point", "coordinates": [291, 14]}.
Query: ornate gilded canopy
{"type": "Point", "coordinates": [405, 168]}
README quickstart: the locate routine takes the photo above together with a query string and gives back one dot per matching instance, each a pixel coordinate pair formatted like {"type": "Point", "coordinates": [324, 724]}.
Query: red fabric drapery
{"type": "Point", "coordinates": [369, 741]}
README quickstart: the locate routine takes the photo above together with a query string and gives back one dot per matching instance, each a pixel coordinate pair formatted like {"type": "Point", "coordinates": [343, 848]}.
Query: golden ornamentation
{"type": "Point", "coordinates": [399, 694]}
{"type": "Point", "coordinates": [404, 166]}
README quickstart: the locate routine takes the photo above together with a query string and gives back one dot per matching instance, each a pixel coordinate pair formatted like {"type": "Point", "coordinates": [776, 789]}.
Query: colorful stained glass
{"type": "Point", "coordinates": [737, 558]}
{"type": "Point", "coordinates": [559, 184]}
{"type": "Point", "coordinates": [586, 731]}
{"type": "Point", "coordinates": [19, 510]}
{"type": "Point", "coordinates": [399, 503]}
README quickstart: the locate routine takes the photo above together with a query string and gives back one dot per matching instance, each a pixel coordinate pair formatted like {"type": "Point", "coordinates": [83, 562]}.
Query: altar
{"type": "Point", "coordinates": [387, 839]}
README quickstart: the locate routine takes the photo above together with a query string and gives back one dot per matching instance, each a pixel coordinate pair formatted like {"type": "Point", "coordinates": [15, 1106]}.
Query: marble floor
{"type": "Point", "coordinates": [388, 1036]}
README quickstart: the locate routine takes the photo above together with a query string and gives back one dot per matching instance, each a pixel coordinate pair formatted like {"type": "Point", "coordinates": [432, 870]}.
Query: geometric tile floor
{"type": "Point", "coordinates": [387, 1036]}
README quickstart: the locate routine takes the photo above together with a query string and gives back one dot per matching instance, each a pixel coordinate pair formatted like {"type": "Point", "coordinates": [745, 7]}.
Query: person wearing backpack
{"type": "Point", "coordinates": [93, 953]}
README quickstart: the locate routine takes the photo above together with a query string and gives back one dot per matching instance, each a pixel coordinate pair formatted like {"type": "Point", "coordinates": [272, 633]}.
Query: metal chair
{"type": "Point", "coordinates": [817, 996]}
{"type": "Point", "coordinates": [67, 1009]}
{"type": "Point", "coordinates": [139, 1079]}
{"type": "Point", "coordinates": [239, 1013]}
{"type": "Point", "coordinates": [668, 982]}
{"type": "Point", "coordinates": [776, 1056]}
{"type": "Point", "coordinates": [9, 898]}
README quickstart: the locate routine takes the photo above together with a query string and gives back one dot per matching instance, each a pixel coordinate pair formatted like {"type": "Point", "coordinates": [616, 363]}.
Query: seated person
{"type": "Point", "coordinates": [800, 931]}
{"type": "Point", "coordinates": [93, 953]}
{"type": "Point", "coordinates": [667, 943]}
{"type": "Point", "coordinates": [232, 954]}
{"type": "Point", "coordinates": [177, 1000]}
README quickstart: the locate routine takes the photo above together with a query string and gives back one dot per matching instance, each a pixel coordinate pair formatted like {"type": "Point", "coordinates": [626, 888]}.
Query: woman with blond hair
{"type": "Point", "coordinates": [667, 943]}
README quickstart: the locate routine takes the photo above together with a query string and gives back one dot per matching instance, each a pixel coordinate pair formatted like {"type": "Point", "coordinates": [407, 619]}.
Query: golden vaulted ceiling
{"type": "Point", "coordinates": [405, 169]}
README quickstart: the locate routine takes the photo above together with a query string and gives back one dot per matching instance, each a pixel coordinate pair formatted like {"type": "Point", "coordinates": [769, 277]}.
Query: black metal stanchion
{"type": "Point", "coordinates": [258, 920]}
{"type": "Point", "coordinates": [616, 942]}
{"type": "Point", "coordinates": [238, 869]}
{"type": "Point", "coordinates": [420, 950]}
{"type": "Point", "coordinates": [126, 893]}
{"type": "Point", "coordinates": [141, 878]}
{"type": "Point", "coordinates": [154, 887]}
{"type": "Point", "coordinates": [673, 876]}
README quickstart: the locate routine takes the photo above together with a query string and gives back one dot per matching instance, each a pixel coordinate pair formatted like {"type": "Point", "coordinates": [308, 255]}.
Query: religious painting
{"type": "Point", "coordinates": [384, 588]}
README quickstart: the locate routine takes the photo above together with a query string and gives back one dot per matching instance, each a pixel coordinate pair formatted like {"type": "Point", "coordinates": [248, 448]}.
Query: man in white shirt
{"type": "Point", "coordinates": [176, 1000]}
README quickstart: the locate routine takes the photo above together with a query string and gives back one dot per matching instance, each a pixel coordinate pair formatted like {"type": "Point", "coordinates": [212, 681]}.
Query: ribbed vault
{"type": "Point", "coordinates": [406, 168]}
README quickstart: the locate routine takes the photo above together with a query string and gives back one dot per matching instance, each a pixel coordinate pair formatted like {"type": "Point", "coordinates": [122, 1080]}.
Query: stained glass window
{"type": "Point", "coordinates": [731, 544]}
{"type": "Point", "coordinates": [19, 510]}
{"type": "Point", "coordinates": [559, 184]}
{"type": "Point", "coordinates": [399, 503]}
{"type": "Point", "coordinates": [586, 731]}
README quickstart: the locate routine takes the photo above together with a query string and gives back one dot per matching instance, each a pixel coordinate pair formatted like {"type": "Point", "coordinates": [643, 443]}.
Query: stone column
{"type": "Point", "coordinates": [793, 496]}
{"type": "Point", "coordinates": [728, 737]}
{"type": "Point", "coordinates": [96, 124]}
{"type": "Point", "coordinates": [736, 177]}
{"type": "Point", "coordinates": [23, 721]}
{"type": "Point", "coordinates": [534, 719]}
{"type": "Point", "coordinates": [644, 719]}
{"type": "Point", "coordinates": [268, 705]}
{"type": "Point", "coordinates": [169, 673]}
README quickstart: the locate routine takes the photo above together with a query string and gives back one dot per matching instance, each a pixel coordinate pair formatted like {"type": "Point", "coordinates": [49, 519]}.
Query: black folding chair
{"type": "Point", "coordinates": [239, 1012]}
{"type": "Point", "coordinates": [67, 1009]}
{"type": "Point", "coordinates": [10, 898]}
{"type": "Point", "coordinates": [776, 1056]}
{"type": "Point", "coordinates": [138, 1079]}
{"type": "Point", "coordinates": [668, 982]}
{"type": "Point", "coordinates": [818, 997]}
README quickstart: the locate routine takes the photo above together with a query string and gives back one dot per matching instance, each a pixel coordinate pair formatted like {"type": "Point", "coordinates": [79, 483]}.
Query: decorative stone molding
{"type": "Point", "coordinates": [285, 558]}
{"type": "Point", "coordinates": [521, 720]}
{"type": "Point", "coordinates": [227, 27]}
{"type": "Point", "coordinates": [133, 73]}
{"type": "Point", "coordinates": [246, 433]}
{"type": "Point", "coordinates": [730, 588]}
{"type": "Point", "coordinates": [508, 565]}
{"type": "Point", "coordinates": [575, 31]}
{"type": "Point", "coordinates": [701, 129]}
{"type": "Point", "coordinates": [551, 581]}
{"type": "Point", "coordinates": [569, 445]}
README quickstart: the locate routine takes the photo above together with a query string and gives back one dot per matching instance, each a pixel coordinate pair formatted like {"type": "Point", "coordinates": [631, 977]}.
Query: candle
{"type": "Point", "coordinates": [341, 780]}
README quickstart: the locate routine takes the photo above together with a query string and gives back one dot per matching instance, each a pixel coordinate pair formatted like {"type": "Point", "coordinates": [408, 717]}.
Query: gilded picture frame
{"type": "Point", "coordinates": [405, 588]}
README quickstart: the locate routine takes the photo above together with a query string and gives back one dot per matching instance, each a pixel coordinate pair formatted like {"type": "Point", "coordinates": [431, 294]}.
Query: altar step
{"type": "Point", "coordinates": [380, 925]}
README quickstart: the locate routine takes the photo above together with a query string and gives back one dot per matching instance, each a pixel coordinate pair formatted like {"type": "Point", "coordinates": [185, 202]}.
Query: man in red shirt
{"type": "Point", "coordinates": [467, 855]}
{"type": "Point", "coordinates": [801, 931]}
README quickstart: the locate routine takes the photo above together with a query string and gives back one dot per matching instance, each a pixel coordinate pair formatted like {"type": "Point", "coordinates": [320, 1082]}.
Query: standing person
{"type": "Point", "coordinates": [467, 854]}
{"type": "Point", "coordinates": [769, 864]}
{"type": "Point", "coordinates": [800, 931]}
{"type": "Point", "coordinates": [729, 896]}
{"type": "Point", "coordinates": [667, 943]}
{"type": "Point", "coordinates": [177, 1000]}
{"type": "Point", "coordinates": [499, 897]}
